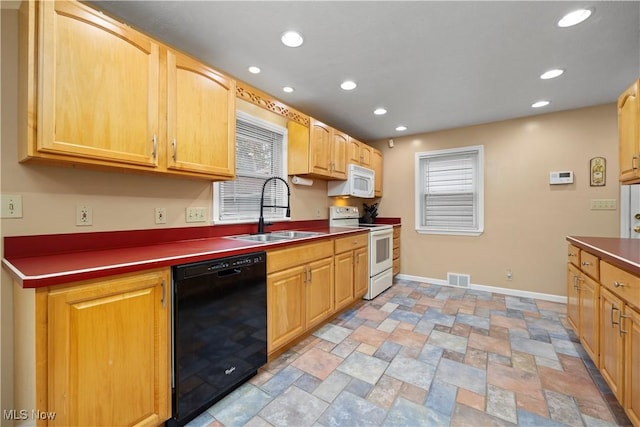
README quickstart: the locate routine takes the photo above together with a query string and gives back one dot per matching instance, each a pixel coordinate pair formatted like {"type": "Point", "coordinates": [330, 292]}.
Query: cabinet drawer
{"type": "Point", "coordinates": [396, 253]}
{"type": "Point", "coordinates": [344, 244]}
{"type": "Point", "coordinates": [280, 259]}
{"type": "Point", "coordinates": [573, 255]}
{"type": "Point", "coordinates": [396, 266]}
{"type": "Point", "coordinates": [620, 282]}
{"type": "Point", "coordinates": [590, 264]}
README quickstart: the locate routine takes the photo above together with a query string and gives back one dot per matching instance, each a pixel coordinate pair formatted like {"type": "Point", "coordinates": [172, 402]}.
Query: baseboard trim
{"type": "Point", "coordinates": [495, 289]}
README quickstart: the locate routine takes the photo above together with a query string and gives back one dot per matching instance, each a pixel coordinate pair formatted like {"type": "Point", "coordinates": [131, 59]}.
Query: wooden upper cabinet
{"type": "Point", "coordinates": [98, 87]}
{"type": "Point", "coordinates": [359, 153]}
{"type": "Point", "coordinates": [96, 92]}
{"type": "Point", "coordinates": [319, 150]}
{"type": "Point", "coordinates": [629, 135]}
{"type": "Point", "coordinates": [376, 165]}
{"type": "Point", "coordinates": [200, 118]}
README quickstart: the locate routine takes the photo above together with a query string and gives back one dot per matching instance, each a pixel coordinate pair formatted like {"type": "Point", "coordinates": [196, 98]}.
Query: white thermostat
{"type": "Point", "coordinates": [561, 177]}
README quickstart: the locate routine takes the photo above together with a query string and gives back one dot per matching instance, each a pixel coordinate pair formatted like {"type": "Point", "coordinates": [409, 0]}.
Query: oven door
{"type": "Point", "coordinates": [381, 250]}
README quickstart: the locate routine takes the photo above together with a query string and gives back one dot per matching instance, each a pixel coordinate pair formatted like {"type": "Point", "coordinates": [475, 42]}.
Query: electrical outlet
{"type": "Point", "coordinates": [318, 213]}
{"type": "Point", "coordinates": [11, 206]}
{"type": "Point", "coordinates": [197, 214]}
{"type": "Point", "coordinates": [509, 274]}
{"type": "Point", "coordinates": [603, 204]}
{"type": "Point", "coordinates": [84, 215]}
{"type": "Point", "coordinates": [161, 216]}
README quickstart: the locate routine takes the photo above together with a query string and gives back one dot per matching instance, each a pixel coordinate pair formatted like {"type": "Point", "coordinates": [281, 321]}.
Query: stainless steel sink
{"type": "Point", "coordinates": [295, 234]}
{"type": "Point", "coordinates": [276, 236]}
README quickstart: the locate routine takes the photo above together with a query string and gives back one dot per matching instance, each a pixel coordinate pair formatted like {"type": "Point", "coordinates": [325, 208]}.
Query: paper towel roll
{"type": "Point", "coordinates": [301, 181]}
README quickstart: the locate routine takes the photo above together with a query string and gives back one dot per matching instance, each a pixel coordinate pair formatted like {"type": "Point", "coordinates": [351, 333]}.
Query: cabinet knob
{"type": "Point", "coordinates": [636, 228]}
{"type": "Point", "coordinates": [637, 216]}
{"type": "Point", "coordinates": [617, 284]}
{"type": "Point", "coordinates": [585, 263]}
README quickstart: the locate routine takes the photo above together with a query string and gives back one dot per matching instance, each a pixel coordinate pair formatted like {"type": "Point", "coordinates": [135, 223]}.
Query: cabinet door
{"type": "Point", "coordinates": [628, 137]}
{"type": "Point", "coordinates": [611, 343]}
{"type": "Point", "coordinates": [339, 155]}
{"type": "Point", "coordinates": [109, 352]}
{"type": "Point", "coordinates": [353, 151]}
{"type": "Point", "coordinates": [361, 271]}
{"type": "Point", "coordinates": [573, 297]}
{"type": "Point", "coordinates": [589, 309]}
{"type": "Point", "coordinates": [319, 291]}
{"type": "Point", "coordinates": [376, 165]}
{"type": "Point", "coordinates": [98, 87]}
{"type": "Point", "coordinates": [285, 306]}
{"type": "Point", "coordinates": [344, 275]}
{"type": "Point", "coordinates": [632, 366]}
{"type": "Point", "coordinates": [200, 118]}
{"type": "Point", "coordinates": [320, 142]}
{"type": "Point", "coordinates": [366, 155]}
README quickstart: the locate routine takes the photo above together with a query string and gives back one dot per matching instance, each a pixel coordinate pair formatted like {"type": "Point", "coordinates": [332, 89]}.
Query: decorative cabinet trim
{"type": "Point", "coordinates": [265, 101]}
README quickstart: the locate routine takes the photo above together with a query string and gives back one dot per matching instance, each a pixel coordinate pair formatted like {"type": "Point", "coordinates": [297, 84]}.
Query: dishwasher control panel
{"type": "Point", "coordinates": [211, 266]}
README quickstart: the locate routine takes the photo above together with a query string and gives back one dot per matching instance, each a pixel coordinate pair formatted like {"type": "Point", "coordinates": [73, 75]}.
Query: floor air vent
{"type": "Point", "coordinates": [456, 279]}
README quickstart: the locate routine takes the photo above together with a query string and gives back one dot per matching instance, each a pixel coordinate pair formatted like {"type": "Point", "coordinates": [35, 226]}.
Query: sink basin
{"type": "Point", "coordinates": [276, 236]}
{"type": "Point", "coordinates": [260, 237]}
{"type": "Point", "coordinates": [295, 234]}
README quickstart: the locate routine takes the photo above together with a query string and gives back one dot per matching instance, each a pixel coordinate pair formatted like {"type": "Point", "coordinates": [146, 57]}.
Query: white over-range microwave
{"type": "Point", "coordinates": [359, 183]}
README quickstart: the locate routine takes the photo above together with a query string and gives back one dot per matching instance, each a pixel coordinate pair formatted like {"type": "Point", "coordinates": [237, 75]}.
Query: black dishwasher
{"type": "Point", "coordinates": [219, 330]}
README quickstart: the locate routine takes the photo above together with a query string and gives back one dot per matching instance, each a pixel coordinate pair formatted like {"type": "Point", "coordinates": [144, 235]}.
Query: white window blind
{"type": "Point", "coordinates": [449, 191]}
{"type": "Point", "coordinates": [260, 154]}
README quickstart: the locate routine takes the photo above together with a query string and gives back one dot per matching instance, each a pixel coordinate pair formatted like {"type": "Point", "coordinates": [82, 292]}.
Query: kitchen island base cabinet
{"type": "Point", "coordinates": [611, 342]}
{"type": "Point", "coordinates": [109, 351]}
{"type": "Point", "coordinates": [632, 366]}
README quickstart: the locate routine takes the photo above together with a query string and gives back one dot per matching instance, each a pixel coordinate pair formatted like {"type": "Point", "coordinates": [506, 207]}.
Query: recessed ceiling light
{"type": "Point", "coordinates": [551, 74]}
{"type": "Point", "coordinates": [287, 89]}
{"type": "Point", "coordinates": [379, 111]}
{"type": "Point", "coordinates": [348, 85]}
{"type": "Point", "coordinates": [254, 70]}
{"type": "Point", "coordinates": [574, 18]}
{"type": "Point", "coordinates": [540, 104]}
{"type": "Point", "coordinates": [401, 128]}
{"type": "Point", "coordinates": [292, 39]}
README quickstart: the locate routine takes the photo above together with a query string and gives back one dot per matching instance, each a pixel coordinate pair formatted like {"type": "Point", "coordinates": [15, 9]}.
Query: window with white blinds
{"type": "Point", "coordinates": [261, 152]}
{"type": "Point", "coordinates": [450, 191]}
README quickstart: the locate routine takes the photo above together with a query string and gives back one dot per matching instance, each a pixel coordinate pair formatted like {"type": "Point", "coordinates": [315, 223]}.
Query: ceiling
{"type": "Point", "coordinates": [432, 65]}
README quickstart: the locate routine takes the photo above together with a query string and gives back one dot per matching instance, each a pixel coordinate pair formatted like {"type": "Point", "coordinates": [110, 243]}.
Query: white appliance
{"type": "Point", "coordinates": [359, 183]}
{"type": "Point", "coordinates": [630, 211]}
{"type": "Point", "coordinates": [380, 247]}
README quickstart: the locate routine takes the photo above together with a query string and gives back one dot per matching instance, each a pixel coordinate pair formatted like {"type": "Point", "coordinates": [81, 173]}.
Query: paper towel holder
{"type": "Point", "coordinates": [298, 180]}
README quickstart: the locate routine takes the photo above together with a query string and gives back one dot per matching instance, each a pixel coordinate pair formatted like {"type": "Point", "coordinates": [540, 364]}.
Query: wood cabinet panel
{"type": "Point", "coordinates": [200, 118]}
{"type": "Point", "coordinates": [573, 297]}
{"type": "Point", "coordinates": [573, 255]}
{"type": "Point", "coordinates": [319, 291]}
{"type": "Point", "coordinates": [98, 87]}
{"type": "Point", "coordinates": [632, 366]}
{"type": "Point", "coordinates": [589, 325]}
{"type": "Point", "coordinates": [361, 272]}
{"type": "Point", "coordinates": [285, 314]}
{"type": "Point", "coordinates": [590, 264]}
{"type": "Point", "coordinates": [376, 165]}
{"type": "Point", "coordinates": [629, 134]}
{"type": "Point", "coordinates": [620, 282]}
{"type": "Point", "coordinates": [350, 243]}
{"type": "Point", "coordinates": [344, 274]}
{"type": "Point", "coordinates": [109, 351]}
{"type": "Point", "coordinates": [299, 254]}
{"type": "Point", "coordinates": [611, 342]}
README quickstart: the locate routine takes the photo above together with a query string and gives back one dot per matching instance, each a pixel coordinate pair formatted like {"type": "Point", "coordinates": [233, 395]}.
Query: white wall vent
{"type": "Point", "coordinates": [457, 279]}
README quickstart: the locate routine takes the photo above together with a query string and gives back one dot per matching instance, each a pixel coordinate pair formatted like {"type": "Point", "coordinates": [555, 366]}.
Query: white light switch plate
{"type": "Point", "coordinates": [11, 206]}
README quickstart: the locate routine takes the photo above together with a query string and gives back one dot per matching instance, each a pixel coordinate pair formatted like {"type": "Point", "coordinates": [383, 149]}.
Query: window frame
{"type": "Point", "coordinates": [477, 153]}
{"type": "Point", "coordinates": [246, 117]}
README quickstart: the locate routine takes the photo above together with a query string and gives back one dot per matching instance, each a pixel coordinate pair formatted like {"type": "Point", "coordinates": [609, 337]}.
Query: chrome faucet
{"type": "Point", "coordinates": [262, 205]}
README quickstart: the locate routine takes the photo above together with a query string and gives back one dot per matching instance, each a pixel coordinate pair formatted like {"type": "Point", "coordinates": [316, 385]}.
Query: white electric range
{"type": "Point", "coordinates": [380, 247]}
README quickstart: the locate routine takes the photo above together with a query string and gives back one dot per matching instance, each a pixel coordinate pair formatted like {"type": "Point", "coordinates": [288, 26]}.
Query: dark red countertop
{"type": "Point", "coordinates": [47, 260]}
{"type": "Point", "coordinates": [623, 253]}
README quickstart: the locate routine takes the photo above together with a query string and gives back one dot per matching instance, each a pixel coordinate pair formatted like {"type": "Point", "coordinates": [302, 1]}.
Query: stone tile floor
{"type": "Point", "coordinates": [429, 355]}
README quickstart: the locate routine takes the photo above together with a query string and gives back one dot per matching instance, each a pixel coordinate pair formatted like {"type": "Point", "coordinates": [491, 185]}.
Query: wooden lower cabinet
{"type": "Point", "coordinates": [611, 342]}
{"type": "Point", "coordinates": [299, 291]}
{"type": "Point", "coordinates": [351, 269]}
{"type": "Point", "coordinates": [396, 250]}
{"type": "Point", "coordinates": [589, 326]}
{"type": "Point", "coordinates": [632, 365]}
{"type": "Point", "coordinates": [573, 297]}
{"type": "Point", "coordinates": [109, 351]}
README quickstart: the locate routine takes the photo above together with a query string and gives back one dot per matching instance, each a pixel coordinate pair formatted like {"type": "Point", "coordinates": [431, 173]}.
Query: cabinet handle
{"type": "Point", "coordinates": [310, 275]}
{"type": "Point", "coordinates": [154, 153]}
{"type": "Point", "coordinates": [613, 322]}
{"type": "Point", "coordinates": [570, 254]}
{"type": "Point", "coordinates": [633, 161]}
{"type": "Point", "coordinates": [576, 282]}
{"type": "Point", "coordinates": [164, 284]}
{"type": "Point", "coordinates": [585, 263]}
{"type": "Point", "coordinates": [622, 331]}
{"type": "Point", "coordinates": [174, 144]}
{"type": "Point", "coordinates": [617, 284]}
{"type": "Point", "coordinates": [636, 228]}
